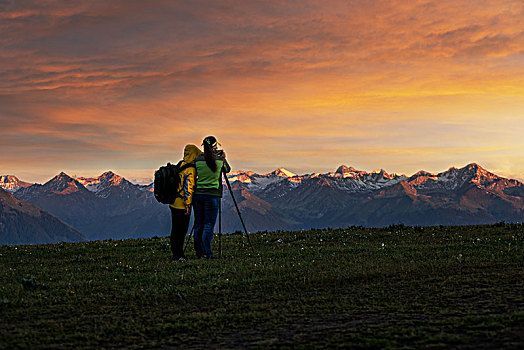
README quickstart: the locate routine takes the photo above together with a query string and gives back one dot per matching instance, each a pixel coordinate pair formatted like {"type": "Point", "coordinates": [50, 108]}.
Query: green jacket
{"type": "Point", "coordinates": [209, 182]}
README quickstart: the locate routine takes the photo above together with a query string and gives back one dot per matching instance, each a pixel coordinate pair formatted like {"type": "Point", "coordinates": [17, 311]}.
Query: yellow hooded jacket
{"type": "Point", "coordinates": [187, 179]}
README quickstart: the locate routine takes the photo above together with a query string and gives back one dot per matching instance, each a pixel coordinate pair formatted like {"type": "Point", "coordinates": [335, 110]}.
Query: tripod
{"type": "Point", "coordinates": [238, 212]}
{"type": "Point", "coordinates": [220, 220]}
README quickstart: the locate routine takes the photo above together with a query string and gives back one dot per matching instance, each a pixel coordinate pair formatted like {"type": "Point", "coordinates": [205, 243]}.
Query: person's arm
{"type": "Point", "coordinates": [225, 167]}
{"type": "Point", "coordinates": [189, 188]}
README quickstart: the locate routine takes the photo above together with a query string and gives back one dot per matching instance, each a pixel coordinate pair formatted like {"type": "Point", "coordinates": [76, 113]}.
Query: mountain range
{"type": "Point", "coordinates": [25, 223]}
{"type": "Point", "coordinates": [109, 206]}
{"type": "Point", "coordinates": [104, 207]}
{"type": "Point", "coordinates": [469, 195]}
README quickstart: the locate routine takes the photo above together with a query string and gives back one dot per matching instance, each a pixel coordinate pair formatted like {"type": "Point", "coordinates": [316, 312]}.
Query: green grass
{"type": "Point", "coordinates": [398, 287]}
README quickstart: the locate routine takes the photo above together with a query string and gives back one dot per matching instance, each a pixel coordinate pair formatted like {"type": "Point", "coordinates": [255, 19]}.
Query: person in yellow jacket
{"type": "Point", "coordinates": [181, 208]}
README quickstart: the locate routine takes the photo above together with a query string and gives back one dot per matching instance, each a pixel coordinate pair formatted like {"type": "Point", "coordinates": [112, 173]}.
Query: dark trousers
{"type": "Point", "coordinates": [179, 225]}
{"type": "Point", "coordinates": [206, 211]}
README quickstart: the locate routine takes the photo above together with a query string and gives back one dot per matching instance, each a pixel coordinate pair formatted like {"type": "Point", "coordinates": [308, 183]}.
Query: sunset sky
{"type": "Point", "coordinates": [123, 85]}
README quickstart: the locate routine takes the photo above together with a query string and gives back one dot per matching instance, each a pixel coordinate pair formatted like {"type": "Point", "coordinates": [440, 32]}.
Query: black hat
{"type": "Point", "coordinates": [211, 141]}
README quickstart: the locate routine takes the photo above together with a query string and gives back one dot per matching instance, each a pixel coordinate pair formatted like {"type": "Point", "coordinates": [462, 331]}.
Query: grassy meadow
{"type": "Point", "coordinates": [362, 288]}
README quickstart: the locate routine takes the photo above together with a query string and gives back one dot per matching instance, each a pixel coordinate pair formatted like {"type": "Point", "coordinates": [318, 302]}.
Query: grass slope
{"type": "Point", "coordinates": [408, 287]}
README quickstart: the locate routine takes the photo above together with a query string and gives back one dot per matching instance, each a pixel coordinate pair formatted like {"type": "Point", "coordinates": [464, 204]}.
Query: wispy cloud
{"type": "Point", "coordinates": [130, 82]}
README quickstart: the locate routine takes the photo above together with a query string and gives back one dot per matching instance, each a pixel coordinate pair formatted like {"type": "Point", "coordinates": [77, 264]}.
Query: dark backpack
{"type": "Point", "coordinates": [167, 179]}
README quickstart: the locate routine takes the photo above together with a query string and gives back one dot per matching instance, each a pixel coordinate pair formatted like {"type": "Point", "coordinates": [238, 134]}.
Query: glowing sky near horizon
{"type": "Point", "coordinates": [123, 85]}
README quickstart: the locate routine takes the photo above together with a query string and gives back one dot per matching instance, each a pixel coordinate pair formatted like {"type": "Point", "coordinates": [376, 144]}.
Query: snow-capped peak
{"type": "Point", "coordinates": [112, 178]}
{"type": "Point", "coordinates": [474, 168]}
{"type": "Point", "coordinates": [282, 172]}
{"type": "Point", "coordinates": [479, 175]}
{"type": "Point", "coordinates": [104, 181]}
{"type": "Point", "coordinates": [344, 171]}
{"type": "Point", "coordinates": [455, 178]}
{"type": "Point", "coordinates": [62, 177]}
{"type": "Point", "coordinates": [8, 178]}
{"type": "Point", "coordinates": [89, 182]}
{"type": "Point", "coordinates": [239, 176]}
{"type": "Point", "coordinates": [149, 188]}
{"type": "Point", "coordinates": [241, 172]}
{"type": "Point", "coordinates": [11, 183]}
{"type": "Point", "coordinates": [63, 184]}
{"type": "Point", "coordinates": [424, 173]}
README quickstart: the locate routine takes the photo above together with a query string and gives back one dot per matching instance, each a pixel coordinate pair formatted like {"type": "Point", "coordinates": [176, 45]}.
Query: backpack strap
{"type": "Point", "coordinates": [185, 166]}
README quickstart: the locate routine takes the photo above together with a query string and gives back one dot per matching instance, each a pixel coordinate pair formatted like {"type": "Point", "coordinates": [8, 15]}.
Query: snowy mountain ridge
{"type": "Point", "coordinates": [347, 179]}
{"type": "Point", "coordinates": [351, 180]}
{"type": "Point", "coordinates": [12, 184]}
{"type": "Point", "coordinates": [61, 184]}
{"type": "Point", "coordinates": [344, 178]}
{"type": "Point", "coordinates": [102, 184]}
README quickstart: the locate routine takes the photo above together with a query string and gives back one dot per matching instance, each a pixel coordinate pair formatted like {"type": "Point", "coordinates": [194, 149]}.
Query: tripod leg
{"type": "Point", "coordinates": [238, 211]}
{"type": "Point", "coordinates": [220, 229]}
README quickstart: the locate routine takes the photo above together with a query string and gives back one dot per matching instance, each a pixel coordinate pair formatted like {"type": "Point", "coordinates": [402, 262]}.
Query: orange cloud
{"type": "Point", "coordinates": [128, 83]}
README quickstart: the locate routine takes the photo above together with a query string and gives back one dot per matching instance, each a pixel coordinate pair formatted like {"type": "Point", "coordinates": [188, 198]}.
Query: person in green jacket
{"type": "Point", "coordinates": [207, 195]}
